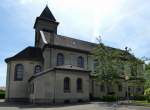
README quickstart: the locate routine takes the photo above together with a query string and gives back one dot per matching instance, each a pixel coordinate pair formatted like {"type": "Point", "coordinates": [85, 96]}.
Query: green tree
{"type": "Point", "coordinates": [147, 94]}
{"type": "Point", "coordinates": [147, 76]}
{"type": "Point", "coordinates": [108, 60]}
{"type": "Point", "coordinates": [111, 63]}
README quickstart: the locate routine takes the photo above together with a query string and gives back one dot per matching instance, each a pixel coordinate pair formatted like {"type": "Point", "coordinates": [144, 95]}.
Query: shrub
{"type": "Point", "coordinates": [139, 97]}
{"type": "Point", "coordinates": [109, 98]}
{"type": "Point", "coordinates": [147, 94]}
{"type": "Point", "coordinates": [2, 94]}
{"type": "Point", "coordinates": [148, 99]}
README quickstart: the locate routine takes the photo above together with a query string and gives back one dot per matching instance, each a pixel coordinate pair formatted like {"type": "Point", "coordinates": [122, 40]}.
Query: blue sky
{"type": "Point", "coordinates": [120, 23]}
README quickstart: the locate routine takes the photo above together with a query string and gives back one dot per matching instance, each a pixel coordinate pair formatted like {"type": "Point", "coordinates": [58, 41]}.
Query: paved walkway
{"type": "Point", "coordinates": [85, 106]}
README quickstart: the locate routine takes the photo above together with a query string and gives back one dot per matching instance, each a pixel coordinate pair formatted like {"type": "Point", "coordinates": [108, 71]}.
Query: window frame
{"type": "Point", "coordinates": [17, 70]}
{"type": "Point", "coordinates": [95, 64]}
{"type": "Point", "coordinates": [80, 62]}
{"type": "Point", "coordinates": [79, 85]}
{"type": "Point", "coordinates": [67, 85]}
{"type": "Point", "coordinates": [60, 59]}
{"type": "Point", "coordinates": [35, 71]}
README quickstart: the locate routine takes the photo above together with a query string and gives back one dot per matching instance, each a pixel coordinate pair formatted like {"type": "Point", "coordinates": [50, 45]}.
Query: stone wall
{"type": "Point", "coordinates": [19, 89]}
{"type": "Point", "coordinates": [49, 88]}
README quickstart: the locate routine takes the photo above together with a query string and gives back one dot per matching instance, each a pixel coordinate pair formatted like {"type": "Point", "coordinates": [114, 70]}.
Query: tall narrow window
{"type": "Point", "coordinates": [60, 59]}
{"type": "Point", "coordinates": [120, 88]}
{"type": "Point", "coordinates": [19, 70]}
{"type": "Point", "coordinates": [95, 64]}
{"type": "Point", "coordinates": [66, 84]}
{"type": "Point", "coordinates": [102, 88]}
{"type": "Point", "coordinates": [79, 85]}
{"type": "Point", "coordinates": [80, 62]}
{"type": "Point", "coordinates": [37, 69]}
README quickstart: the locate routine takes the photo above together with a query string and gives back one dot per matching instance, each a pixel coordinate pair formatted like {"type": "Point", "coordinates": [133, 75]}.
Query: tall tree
{"type": "Point", "coordinates": [108, 60]}
{"type": "Point", "coordinates": [110, 67]}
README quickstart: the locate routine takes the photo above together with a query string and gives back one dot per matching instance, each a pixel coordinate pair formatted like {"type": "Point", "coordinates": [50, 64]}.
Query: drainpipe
{"type": "Point", "coordinates": [54, 101]}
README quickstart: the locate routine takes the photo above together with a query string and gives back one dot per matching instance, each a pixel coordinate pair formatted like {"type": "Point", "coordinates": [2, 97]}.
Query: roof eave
{"type": "Point", "coordinates": [44, 19]}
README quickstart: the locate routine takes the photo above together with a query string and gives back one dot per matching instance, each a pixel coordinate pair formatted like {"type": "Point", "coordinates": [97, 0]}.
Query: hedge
{"type": "Point", "coordinates": [2, 94]}
{"type": "Point", "coordinates": [139, 97]}
{"type": "Point", "coordinates": [110, 98]}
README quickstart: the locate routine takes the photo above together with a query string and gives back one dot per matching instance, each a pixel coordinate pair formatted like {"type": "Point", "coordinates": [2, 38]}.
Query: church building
{"type": "Point", "coordinates": [58, 69]}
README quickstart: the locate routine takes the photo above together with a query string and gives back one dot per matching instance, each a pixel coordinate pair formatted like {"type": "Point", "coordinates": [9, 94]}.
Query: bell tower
{"type": "Point", "coordinates": [45, 30]}
{"type": "Point", "coordinates": [46, 21]}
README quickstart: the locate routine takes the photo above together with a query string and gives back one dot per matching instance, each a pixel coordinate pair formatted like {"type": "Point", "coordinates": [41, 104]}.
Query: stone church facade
{"type": "Point", "coordinates": [58, 69]}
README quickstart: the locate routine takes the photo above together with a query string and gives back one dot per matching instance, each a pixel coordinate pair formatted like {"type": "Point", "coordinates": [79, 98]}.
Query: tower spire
{"type": "Point", "coordinates": [47, 14]}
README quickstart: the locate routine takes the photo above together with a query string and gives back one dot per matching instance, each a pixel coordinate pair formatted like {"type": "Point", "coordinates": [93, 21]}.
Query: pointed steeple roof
{"type": "Point", "coordinates": [47, 14]}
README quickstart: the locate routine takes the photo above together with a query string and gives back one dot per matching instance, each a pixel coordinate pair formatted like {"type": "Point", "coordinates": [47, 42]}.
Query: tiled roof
{"type": "Point", "coordinates": [29, 53]}
{"type": "Point", "coordinates": [74, 43]}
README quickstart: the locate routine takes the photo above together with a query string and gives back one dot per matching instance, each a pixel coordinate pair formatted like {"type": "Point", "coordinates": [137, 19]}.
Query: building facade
{"type": "Point", "coordinates": [58, 69]}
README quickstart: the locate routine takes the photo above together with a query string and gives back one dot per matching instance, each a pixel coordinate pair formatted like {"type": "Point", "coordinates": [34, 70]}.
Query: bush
{"type": "Point", "coordinates": [148, 99]}
{"type": "Point", "coordinates": [2, 94]}
{"type": "Point", "coordinates": [110, 98]}
{"type": "Point", "coordinates": [139, 97]}
{"type": "Point", "coordinates": [147, 94]}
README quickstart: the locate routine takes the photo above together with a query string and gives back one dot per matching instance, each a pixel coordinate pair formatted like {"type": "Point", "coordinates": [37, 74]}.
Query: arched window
{"type": "Point", "coordinates": [19, 70]}
{"type": "Point", "coordinates": [79, 85]}
{"type": "Point", "coordinates": [60, 59]}
{"type": "Point", "coordinates": [66, 84]}
{"type": "Point", "coordinates": [37, 69]}
{"type": "Point", "coordinates": [80, 62]}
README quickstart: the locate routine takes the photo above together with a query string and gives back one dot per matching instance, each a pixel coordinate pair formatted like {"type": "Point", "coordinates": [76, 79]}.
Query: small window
{"type": "Point", "coordinates": [60, 59]}
{"type": "Point", "coordinates": [80, 62]}
{"type": "Point", "coordinates": [37, 69]}
{"type": "Point", "coordinates": [120, 88]}
{"type": "Point", "coordinates": [19, 70]}
{"type": "Point", "coordinates": [66, 84]}
{"type": "Point", "coordinates": [102, 88]}
{"type": "Point", "coordinates": [79, 85]}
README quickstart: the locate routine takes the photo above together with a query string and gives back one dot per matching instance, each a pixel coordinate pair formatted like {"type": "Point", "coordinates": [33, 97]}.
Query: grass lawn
{"type": "Point", "coordinates": [142, 103]}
